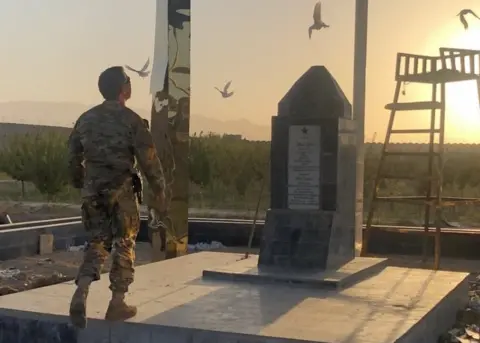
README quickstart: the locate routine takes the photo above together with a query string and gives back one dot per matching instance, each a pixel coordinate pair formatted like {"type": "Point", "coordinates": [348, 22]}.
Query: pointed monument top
{"type": "Point", "coordinates": [315, 94]}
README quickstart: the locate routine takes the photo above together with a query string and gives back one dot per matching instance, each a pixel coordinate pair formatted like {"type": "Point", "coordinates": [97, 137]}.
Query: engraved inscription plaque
{"type": "Point", "coordinates": [304, 167]}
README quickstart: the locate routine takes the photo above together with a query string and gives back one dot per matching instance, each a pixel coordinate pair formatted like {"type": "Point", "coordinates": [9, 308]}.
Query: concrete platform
{"type": "Point", "coordinates": [177, 306]}
{"type": "Point", "coordinates": [355, 271]}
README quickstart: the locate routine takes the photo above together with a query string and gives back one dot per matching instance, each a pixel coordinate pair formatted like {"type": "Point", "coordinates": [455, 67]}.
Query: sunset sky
{"type": "Point", "coordinates": [53, 50]}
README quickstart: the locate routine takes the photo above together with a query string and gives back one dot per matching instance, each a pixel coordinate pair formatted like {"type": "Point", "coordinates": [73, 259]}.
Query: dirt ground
{"type": "Point", "coordinates": [37, 271]}
{"type": "Point", "coordinates": [20, 212]}
{"type": "Point", "coordinates": [27, 211]}
{"type": "Point", "coordinates": [26, 273]}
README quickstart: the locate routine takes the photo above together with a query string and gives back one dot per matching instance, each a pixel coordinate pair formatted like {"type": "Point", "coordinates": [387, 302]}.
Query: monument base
{"type": "Point", "coordinates": [306, 239]}
{"type": "Point", "coordinates": [175, 305]}
{"type": "Point", "coordinates": [247, 270]}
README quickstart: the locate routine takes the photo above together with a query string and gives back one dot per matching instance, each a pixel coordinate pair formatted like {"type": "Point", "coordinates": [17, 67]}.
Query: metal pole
{"type": "Point", "coordinates": [254, 224]}
{"type": "Point", "coordinates": [359, 77]}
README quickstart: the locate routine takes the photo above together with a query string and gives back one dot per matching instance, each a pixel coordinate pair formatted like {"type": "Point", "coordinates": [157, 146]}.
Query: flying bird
{"type": "Point", "coordinates": [463, 14]}
{"type": "Point", "coordinates": [318, 24]}
{"type": "Point", "coordinates": [225, 93]}
{"type": "Point", "coordinates": [142, 72]}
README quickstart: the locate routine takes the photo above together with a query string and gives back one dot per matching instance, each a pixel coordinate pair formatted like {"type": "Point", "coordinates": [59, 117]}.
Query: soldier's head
{"type": "Point", "coordinates": [114, 84]}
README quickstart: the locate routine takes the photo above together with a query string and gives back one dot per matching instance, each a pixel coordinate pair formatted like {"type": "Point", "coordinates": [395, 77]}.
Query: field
{"type": "Point", "coordinates": [227, 173]}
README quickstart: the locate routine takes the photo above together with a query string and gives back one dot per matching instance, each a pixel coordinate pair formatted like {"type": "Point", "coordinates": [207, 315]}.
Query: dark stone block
{"type": "Point", "coordinates": [17, 330]}
{"type": "Point", "coordinates": [9, 330]}
{"type": "Point", "coordinates": [329, 175]}
{"type": "Point", "coordinates": [284, 261]}
{"type": "Point", "coordinates": [329, 192]}
{"type": "Point", "coordinates": [313, 235]}
{"type": "Point", "coordinates": [324, 177]}
{"type": "Point", "coordinates": [278, 162]}
{"type": "Point", "coordinates": [297, 238]}
{"type": "Point", "coordinates": [315, 92]}
{"type": "Point", "coordinates": [281, 248]}
{"type": "Point", "coordinates": [329, 137]}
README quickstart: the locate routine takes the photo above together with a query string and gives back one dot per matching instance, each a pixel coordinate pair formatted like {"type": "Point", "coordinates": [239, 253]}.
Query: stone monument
{"type": "Point", "coordinates": [312, 217]}
{"type": "Point", "coordinates": [310, 227]}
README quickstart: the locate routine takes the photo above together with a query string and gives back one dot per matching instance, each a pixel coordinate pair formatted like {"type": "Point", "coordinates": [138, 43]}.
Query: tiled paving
{"type": "Point", "coordinates": [177, 306]}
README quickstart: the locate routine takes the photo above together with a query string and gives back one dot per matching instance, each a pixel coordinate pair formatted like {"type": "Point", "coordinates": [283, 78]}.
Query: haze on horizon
{"type": "Point", "coordinates": [53, 51]}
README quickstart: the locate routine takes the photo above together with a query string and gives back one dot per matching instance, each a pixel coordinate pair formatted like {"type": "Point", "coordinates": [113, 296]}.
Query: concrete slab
{"type": "Point", "coordinates": [355, 271]}
{"type": "Point", "coordinates": [177, 306]}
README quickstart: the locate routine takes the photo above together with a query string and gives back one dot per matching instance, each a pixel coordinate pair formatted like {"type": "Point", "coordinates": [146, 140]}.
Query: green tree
{"type": "Point", "coordinates": [199, 164]}
{"type": "Point", "coordinates": [40, 158]}
{"type": "Point", "coordinates": [16, 156]}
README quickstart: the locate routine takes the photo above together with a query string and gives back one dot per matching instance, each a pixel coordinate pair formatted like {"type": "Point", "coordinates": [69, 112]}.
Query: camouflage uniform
{"type": "Point", "coordinates": [136, 167]}
{"type": "Point", "coordinates": [104, 145]}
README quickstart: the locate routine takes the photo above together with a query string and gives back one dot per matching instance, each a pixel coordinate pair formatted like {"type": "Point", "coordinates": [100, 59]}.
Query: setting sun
{"type": "Point", "coordinates": [463, 109]}
{"type": "Point", "coordinates": [462, 104]}
{"type": "Point", "coordinates": [462, 97]}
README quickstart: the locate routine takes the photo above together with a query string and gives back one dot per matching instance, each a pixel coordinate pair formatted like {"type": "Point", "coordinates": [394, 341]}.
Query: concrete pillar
{"type": "Point", "coordinates": [170, 120]}
{"type": "Point", "coordinates": [359, 85]}
{"type": "Point", "coordinates": [45, 244]}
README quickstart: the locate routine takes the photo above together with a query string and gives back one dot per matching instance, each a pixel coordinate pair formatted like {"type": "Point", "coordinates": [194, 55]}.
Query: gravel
{"type": "Point", "coordinates": [26, 273]}
{"type": "Point", "coordinates": [467, 329]}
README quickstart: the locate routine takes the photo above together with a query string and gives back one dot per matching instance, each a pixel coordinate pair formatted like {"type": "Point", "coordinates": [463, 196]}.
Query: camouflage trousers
{"type": "Point", "coordinates": [112, 222]}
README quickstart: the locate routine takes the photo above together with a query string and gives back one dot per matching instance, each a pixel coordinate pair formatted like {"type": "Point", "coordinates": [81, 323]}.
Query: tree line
{"type": "Point", "coordinates": [227, 172]}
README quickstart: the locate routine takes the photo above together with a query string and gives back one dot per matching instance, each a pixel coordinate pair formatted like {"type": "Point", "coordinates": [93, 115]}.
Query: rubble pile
{"type": "Point", "coordinates": [467, 329]}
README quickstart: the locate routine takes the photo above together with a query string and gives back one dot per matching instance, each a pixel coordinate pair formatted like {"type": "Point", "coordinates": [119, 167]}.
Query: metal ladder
{"type": "Point", "coordinates": [433, 179]}
{"type": "Point", "coordinates": [451, 66]}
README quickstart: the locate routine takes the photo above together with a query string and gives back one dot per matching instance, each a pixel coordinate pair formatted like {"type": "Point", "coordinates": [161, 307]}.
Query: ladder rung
{"type": "Point", "coordinates": [414, 106]}
{"type": "Point", "coordinates": [411, 153]}
{"type": "Point", "coordinates": [420, 199]}
{"type": "Point", "coordinates": [460, 199]}
{"type": "Point", "coordinates": [404, 197]}
{"type": "Point", "coordinates": [405, 177]}
{"type": "Point", "coordinates": [415, 131]}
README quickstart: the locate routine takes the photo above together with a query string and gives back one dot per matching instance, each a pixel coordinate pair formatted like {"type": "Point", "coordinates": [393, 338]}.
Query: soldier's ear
{"type": "Point", "coordinates": [127, 91]}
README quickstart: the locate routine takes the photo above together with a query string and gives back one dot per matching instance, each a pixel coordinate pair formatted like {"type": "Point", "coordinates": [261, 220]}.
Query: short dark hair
{"type": "Point", "coordinates": [111, 81]}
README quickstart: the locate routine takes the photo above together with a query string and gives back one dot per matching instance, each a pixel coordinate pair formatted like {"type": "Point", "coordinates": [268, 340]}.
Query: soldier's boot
{"type": "Point", "coordinates": [78, 305]}
{"type": "Point", "coordinates": [118, 310]}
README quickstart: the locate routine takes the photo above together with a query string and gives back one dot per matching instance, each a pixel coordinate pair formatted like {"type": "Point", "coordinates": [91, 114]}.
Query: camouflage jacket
{"type": "Point", "coordinates": [104, 144]}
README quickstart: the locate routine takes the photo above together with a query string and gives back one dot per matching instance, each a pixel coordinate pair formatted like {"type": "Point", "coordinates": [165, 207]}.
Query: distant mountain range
{"type": "Point", "coordinates": [65, 114]}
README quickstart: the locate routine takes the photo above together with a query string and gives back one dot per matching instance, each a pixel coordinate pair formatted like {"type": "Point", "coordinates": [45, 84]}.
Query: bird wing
{"type": "Point", "coordinates": [130, 68]}
{"type": "Point", "coordinates": [317, 12]}
{"type": "Point", "coordinates": [474, 14]}
{"type": "Point", "coordinates": [218, 89]}
{"type": "Point", "coordinates": [225, 89]}
{"type": "Point", "coordinates": [145, 66]}
{"type": "Point", "coordinates": [310, 29]}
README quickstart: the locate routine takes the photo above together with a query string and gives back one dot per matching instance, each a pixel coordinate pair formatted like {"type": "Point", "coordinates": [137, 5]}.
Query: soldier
{"type": "Point", "coordinates": [104, 143]}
